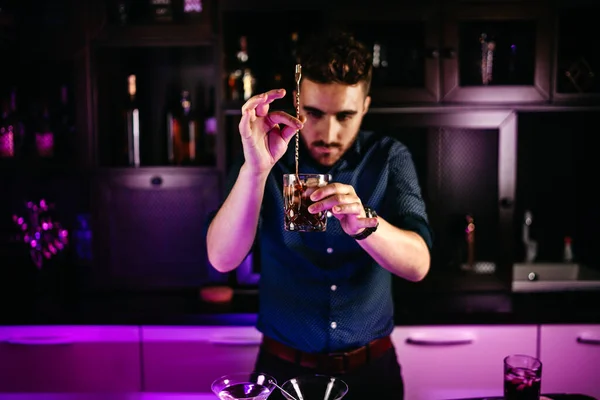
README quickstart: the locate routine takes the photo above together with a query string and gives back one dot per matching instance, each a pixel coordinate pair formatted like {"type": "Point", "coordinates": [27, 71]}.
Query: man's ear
{"type": "Point", "coordinates": [366, 104]}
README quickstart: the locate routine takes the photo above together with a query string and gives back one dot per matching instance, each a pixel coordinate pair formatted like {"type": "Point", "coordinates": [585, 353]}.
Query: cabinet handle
{"type": "Point", "coordinates": [235, 341]}
{"type": "Point", "coordinates": [424, 340]}
{"type": "Point", "coordinates": [588, 338]}
{"type": "Point", "coordinates": [40, 340]}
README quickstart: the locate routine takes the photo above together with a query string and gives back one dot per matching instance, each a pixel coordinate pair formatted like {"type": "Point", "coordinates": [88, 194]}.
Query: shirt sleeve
{"type": "Point", "coordinates": [406, 201]}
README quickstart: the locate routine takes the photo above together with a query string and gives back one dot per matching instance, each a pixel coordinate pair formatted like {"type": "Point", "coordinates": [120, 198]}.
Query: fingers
{"type": "Point", "coordinates": [332, 189]}
{"type": "Point", "coordinates": [283, 118]}
{"type": "Point", "coordinates": [262, 109]}
{"type": "Point", "coordinates": [262, 100]}
{"type": "Point", "coordinates": [348, 209]}
{"type": "Point", "coordinates": [344, 203]}
{"type": "Point", "coordinates": [257, 106]}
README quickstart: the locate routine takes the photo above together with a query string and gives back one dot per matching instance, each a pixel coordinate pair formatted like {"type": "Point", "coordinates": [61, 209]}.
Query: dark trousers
{"type": "Point", "coordinates": [380, 378]}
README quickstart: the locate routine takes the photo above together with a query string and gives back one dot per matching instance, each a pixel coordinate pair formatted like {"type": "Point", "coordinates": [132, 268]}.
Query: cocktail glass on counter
{"type": "Point", "coordinates": [314, 387]}
{"type": "Point", "coordinates": [244, 386]}
{"type": "Point", "coordinates": [296, 200]}
{"type": "Point", "coordinates": [522, 377]}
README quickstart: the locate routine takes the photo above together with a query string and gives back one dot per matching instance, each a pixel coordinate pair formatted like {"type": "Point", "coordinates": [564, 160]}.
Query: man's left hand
{"type": "Point", "coordinates": [345, 205]}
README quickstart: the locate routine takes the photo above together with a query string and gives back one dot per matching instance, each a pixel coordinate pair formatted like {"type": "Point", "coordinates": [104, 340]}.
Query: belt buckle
{"type": "Point", "coordinates": [337, 362]}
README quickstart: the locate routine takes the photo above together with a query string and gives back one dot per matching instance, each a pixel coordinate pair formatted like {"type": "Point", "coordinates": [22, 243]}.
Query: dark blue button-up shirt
{"type": "Point", "coordinates": [320, 291]}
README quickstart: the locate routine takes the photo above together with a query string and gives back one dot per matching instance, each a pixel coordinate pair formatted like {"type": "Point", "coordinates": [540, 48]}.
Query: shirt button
{"type": "Point", "coordinates": [333, 288]}
{"type": "Point", "coordinates": [329, 214]}
{"type": "Point", "coordinates": [329, 250]}
{"type": "Point", "coordinates": [333, 325]}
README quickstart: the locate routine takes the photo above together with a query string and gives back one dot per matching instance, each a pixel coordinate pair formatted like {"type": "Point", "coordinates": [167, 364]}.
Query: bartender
{"type": "Point", "coordinates": [325, 298]}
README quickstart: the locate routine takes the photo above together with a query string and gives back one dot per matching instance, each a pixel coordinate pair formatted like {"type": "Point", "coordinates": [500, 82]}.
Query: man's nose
{"type": "Point", "coordinates": [330, 130]}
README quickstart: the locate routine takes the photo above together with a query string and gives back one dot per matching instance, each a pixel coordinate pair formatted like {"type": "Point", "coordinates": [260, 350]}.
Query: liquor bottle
{"type": "Point", "coordinates": [12, 132]}
{"type": "Point", "coordinates": [241, 80]}
{"type": "Point", "coordinates": [192, 9]}
{"type": "Point", "coordinates": [120, 12]}
{"type": "Point", "coordinates": [161, 10]}
{"type": "Point", "coordinates": [7, 137]}
{"type": "Point", "coordinates": [210, 130]}
{"type": "Point", "coordinates": [64, 127]}
{"type": "Point", "coordinates": [44, 135]}
{"type": "Point", "coordinates": [183, 132]}
{"type": "Point", "coordinates": [132, 120]}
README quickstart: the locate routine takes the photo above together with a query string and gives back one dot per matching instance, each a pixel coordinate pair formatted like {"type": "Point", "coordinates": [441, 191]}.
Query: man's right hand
{"type": "Point", "coordinates": [265, 135]}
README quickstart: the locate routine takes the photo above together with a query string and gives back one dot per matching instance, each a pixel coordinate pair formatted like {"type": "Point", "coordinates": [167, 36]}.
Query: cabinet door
{"type": "Point", "coordinates": [570, 356]}
{"type": "Point", "coordinates": [69, 359]}
{"type": "Point", "coordinates": [189, 359]}
{"type": "Point", "coordinates": [148, 226]}
{"type": "Point", "coordinates": [458, 361]}
{"type": "Point", "coordinates": [496, 52]}
{"type": "Point", "coordinates": [577, 55]}
{"type": "Point", "coordinates": [557, 169]}
{"type": "Point", "coordinates": [404, 42]}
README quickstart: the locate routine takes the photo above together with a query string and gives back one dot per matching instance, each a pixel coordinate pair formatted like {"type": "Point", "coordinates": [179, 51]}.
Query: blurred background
{"type": "Point", "coordinates": [119, 123]}
{"type": "Point", "coordinates": [121, 116]}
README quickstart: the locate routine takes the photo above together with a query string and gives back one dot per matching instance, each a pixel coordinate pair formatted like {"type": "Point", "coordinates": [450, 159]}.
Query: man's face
{"type": "Point", "coordinates": [333, 113]}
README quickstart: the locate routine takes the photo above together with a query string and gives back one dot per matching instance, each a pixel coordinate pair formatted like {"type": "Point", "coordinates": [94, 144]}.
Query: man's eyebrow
{"type": "Point", "coordinates": [317, 111]}
{"type": "Point", "coordinates": [313, 109]}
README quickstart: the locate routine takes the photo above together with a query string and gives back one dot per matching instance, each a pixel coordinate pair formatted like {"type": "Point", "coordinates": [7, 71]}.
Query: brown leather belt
{"type": "Point", "coordinates": [330, 363]}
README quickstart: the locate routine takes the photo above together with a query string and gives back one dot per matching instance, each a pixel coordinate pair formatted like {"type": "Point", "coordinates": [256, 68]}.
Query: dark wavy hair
{"type": "Point", "coordinates": [335, 56]}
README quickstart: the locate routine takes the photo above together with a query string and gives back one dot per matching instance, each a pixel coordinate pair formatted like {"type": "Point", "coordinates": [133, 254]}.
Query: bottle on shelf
{"type": "Point", "coordinates": [568, 250]}
{"type": "Point", "coordinates": [12, 130]}
{"type": "Point", "coordinates": [132, 120]}
{"type": "Point", "coordinates": [44, 134]}
{"type": "Point", "coordinates": [210, 130]}
{"type": "Point", "coordinates": [161, 10]}
{"type": "Point", "coordinates": [7, 136]}
{"type": "Point", "coordinates": [183, 132]}
{"type": "Point", "coordinates": [64, 127]}
{"type": "Point", "coordinates": [241, 81]}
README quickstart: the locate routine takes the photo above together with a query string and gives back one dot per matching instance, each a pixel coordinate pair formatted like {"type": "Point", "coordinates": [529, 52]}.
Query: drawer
{"type": "Point", "coordinates": [69, 359]}
{"type": "Point", "coordinates": [189, 359]}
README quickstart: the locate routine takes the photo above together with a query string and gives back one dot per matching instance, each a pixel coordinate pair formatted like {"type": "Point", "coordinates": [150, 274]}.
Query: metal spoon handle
{"type": "Point", "coordinates": [282, 389]}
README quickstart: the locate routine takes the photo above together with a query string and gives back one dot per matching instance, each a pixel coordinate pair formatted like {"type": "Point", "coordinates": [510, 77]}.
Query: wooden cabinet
{"type": "Point", "coordinates": [570, 356]}
{"type": "Point", "coordinates": [69, 359]}
{"type": "Point", "coordinates": [452, 51]}
{"type": "Point", "coordinates": [496, 52]}
{"type": "Point", "coordinates": [458, 361]}
{"type": "Point", "coordinates": [404, 41]}
{"type": "Point", "coordinates": [189, 359]}
{"type": "Point", "coordinates": [148, 227]}
{"type": "Point", "coordinates": [577, 54]}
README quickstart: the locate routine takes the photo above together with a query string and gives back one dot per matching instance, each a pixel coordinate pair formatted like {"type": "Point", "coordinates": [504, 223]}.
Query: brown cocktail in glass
{"type": "Point", "coordinates": [296, 200]}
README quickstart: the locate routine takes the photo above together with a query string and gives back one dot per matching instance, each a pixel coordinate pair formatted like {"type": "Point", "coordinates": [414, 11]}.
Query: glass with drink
{"type": "Point", "coordinates": [244, 386]}
{"type": "Point", "coordinates": [522, 377]}
{"type": "Point", "coordinates": [296, 198]}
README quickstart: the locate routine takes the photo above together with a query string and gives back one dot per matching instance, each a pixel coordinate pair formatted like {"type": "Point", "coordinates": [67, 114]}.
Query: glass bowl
{"type": "Point", "coordinates": [244, 385]}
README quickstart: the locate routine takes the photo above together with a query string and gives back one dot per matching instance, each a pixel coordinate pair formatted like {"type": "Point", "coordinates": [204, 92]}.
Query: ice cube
{"type": "Point", "coordinates": [312, 182]}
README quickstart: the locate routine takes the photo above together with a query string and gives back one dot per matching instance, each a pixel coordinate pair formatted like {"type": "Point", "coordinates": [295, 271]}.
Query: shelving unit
{"type": "Point", "coordinates": [433, 58]}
